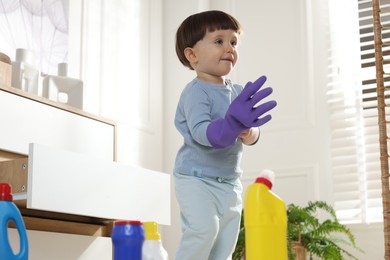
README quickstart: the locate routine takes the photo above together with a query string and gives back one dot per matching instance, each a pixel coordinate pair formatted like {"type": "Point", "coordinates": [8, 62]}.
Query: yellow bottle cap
{"type": "Point", "coordinates": [151, 231]}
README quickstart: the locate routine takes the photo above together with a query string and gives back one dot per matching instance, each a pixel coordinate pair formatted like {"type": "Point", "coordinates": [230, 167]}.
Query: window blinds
{"type": "Point", "coordinates": [353, 113]}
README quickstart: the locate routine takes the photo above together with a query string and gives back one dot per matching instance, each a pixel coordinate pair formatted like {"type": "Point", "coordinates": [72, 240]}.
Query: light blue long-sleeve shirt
{"type": "Point", "coordinates": [201, 103]}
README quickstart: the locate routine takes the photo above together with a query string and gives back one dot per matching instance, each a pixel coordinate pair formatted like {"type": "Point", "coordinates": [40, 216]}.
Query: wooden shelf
{"type": "Point", "coordinates": [64, 223]}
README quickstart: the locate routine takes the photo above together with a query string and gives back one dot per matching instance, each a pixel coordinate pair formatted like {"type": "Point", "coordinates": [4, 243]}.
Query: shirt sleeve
{"type": "Point", "coordinates": [196, 108]}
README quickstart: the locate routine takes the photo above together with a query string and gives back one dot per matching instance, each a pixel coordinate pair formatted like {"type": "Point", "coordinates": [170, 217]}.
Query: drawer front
{"type": "Point", "coordinates": [72, 183]}
{"type": "Point", "coordinates": [25, 121]}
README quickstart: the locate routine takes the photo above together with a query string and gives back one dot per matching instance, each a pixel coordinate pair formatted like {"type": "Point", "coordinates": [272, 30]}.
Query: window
{"type": "Point", "coordinates": [353, 109]}
{"type": "Point", "coordinates": [39, 26]}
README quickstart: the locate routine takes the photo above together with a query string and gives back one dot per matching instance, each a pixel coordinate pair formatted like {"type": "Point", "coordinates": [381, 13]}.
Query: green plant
{"type": "Point", "coordinates": [326, 239]}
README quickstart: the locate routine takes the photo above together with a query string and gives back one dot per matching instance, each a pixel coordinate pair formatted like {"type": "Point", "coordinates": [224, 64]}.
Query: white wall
{"type": "Point", "coordinates": [287, 41]}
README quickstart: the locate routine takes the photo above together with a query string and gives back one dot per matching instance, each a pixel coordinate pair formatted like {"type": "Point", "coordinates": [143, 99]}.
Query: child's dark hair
{"type": "Point", "coordinates": [194, 28]}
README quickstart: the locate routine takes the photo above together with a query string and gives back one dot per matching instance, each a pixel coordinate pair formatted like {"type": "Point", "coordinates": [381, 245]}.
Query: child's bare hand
{"type": "Point", "coordinates": [246, 133]}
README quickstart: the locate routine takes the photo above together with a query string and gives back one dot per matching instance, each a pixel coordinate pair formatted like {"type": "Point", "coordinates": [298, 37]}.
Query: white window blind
{"type": "Point", "coordinates": [353, 112]}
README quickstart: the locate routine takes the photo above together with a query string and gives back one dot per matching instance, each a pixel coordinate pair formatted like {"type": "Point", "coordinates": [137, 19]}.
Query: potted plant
{"type": "Point", "coordinates": [328, 239]}
{"type": "Point", "coordinates": [325, 239]}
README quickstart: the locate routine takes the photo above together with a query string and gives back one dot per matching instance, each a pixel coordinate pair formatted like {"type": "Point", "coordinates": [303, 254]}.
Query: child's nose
{"type": "Point", "coordinates": [230, 48]}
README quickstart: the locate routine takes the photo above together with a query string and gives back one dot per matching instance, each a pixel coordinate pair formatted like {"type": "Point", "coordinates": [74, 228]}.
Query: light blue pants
{"type": "Point", "coordinates": [210, 210]}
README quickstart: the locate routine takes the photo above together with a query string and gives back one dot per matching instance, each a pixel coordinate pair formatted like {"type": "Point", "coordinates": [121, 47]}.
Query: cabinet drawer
{"type": "Point", "coordinates": [14, 170]}
{"type": "Point", "coordinates": [27, 119]}
{"type": "Point", "coordinates": [73, 183]}
{"type": "Point", "coordinates": [68, 192]}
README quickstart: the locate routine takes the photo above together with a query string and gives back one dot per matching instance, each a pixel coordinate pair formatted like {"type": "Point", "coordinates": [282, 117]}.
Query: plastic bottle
{"type": "Point", "coordinates": [127, 240]}
{"type": "Point", "coordinates": [265, 221]}
{"type": "Point", "coordinates": [9, 212]}
{"type": "Point", "coordinates": [153, 248]}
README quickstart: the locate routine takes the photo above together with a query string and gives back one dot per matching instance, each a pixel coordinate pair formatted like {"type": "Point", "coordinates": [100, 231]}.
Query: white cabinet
{"type": "Point", "coordinates": [72, 172]}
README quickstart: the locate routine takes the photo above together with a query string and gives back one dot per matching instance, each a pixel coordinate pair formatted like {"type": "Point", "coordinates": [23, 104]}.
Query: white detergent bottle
{"type": "Point", "coordinates": [153, 248]}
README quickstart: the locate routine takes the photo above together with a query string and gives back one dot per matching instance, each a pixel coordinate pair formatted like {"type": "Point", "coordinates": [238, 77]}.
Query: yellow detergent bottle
{"type": "Point", "coordinates": [265, 221]}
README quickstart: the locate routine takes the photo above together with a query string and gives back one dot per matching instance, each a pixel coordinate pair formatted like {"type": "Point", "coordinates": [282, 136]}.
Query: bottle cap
{"type": "Point", "coordinates": [266, 177]}
{"type": "Point", "coordinates": [5, 192]}
{"type": "Point", "coordinates": [127, 222]}
{"type": "Point", "coordinates": [151, 231]}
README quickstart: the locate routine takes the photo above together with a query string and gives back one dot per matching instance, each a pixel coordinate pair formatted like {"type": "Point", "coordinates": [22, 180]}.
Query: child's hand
{"type": "Point", "coordinates": [250, 136]}
{"type": "Point", "coordinates": [246, 133]}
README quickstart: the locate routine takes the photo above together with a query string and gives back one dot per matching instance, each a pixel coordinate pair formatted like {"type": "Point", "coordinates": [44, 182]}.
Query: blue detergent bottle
{"type": "Point", "coordinates": [128, 237]}
{"type": "Point", "coordinates": [10, 213]}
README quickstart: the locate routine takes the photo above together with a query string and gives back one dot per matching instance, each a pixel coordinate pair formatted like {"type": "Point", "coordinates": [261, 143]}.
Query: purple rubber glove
{"type": "Point", "coordinates": [241, 115]}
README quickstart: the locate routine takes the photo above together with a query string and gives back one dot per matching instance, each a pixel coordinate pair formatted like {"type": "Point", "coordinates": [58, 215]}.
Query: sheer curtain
{"type": "Point", "coordinates": [120, 64]}
{"type": "Point", "coordinates": [37, 25]}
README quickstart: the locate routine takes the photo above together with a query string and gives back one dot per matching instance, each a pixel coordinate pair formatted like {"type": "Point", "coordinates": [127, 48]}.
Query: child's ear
{"type": "Point", "coordinates": [190, 55]}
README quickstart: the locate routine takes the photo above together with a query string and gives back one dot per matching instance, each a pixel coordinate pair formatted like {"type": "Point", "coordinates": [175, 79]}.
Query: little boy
{"type": "Point", "coordinates": [215, 118]}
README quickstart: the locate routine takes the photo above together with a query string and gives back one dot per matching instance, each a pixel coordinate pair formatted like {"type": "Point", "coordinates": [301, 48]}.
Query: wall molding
{"type": "Point", "coordinates": [297, 184]}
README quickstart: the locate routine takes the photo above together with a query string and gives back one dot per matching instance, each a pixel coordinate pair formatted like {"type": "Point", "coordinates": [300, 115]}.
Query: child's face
{"type": "Point", "coordinates": [215, 55]}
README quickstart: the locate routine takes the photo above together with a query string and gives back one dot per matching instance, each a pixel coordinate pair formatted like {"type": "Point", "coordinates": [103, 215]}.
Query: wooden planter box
{"type": "Point", "coordinates": [298, 250]}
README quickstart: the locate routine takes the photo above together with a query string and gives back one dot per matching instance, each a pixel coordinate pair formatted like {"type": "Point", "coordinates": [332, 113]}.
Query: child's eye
{"type": "Point", "coordinates": [233, 43]}
{"type": "Point", "coordinates": [219, 42]}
